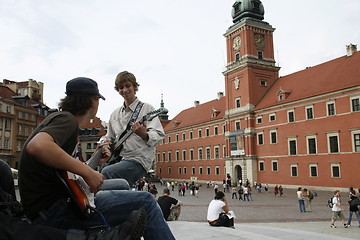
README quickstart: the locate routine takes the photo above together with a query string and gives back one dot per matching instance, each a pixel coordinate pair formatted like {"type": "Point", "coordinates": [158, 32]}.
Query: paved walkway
{"type": "Point", "coordinates": [266, 217]}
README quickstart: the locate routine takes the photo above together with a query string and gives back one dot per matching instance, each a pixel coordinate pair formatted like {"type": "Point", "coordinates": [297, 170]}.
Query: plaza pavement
{"type": "Point", "coordinates": [266, 217]}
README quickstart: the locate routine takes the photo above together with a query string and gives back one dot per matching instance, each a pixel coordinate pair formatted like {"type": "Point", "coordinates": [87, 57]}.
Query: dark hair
{"type": "Point", "coordinates": [77, 104]}
{"type": "Point", "coordinates": [166, 191]}
{"type": "Point", "coordinates": [219, 195]}
{"type": "Point", "coordinates": [124, 77]}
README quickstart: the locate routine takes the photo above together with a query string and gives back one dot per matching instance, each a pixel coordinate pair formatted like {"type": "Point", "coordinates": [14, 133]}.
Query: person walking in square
{"type": "Point", "coordinates": [337, 210]}
{"type": "Point", "coordinates": [301, 198]}
{"type": "Point", "coordinates": [353, 207]}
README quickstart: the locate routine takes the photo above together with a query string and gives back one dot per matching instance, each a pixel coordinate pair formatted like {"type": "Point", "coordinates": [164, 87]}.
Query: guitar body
{"type": "Point", "coordinates": [78, 190]}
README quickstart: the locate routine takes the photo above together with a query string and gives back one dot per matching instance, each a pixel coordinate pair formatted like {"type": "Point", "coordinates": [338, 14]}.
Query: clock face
{"type": "Point", "coordinates": [259, 40]}
{"type": "Point", "coordinates": [237, 43]}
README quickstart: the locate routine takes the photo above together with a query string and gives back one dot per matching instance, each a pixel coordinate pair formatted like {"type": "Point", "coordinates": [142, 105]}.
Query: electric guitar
{"type": "Point", "coordinates": [78, 189]}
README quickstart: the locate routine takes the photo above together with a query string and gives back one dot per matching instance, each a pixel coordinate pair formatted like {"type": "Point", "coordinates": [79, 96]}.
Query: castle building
{"type": "Point", "coordinates": [302, 129]}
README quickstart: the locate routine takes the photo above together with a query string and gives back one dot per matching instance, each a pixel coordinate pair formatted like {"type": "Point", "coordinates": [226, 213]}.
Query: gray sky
{"type": "Point", "coordinates": [174, 47]}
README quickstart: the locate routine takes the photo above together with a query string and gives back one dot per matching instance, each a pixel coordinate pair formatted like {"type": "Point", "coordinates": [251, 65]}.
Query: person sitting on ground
{"type": "Point", "coordinates": [170, 206]}
{"type": "Point", "coordinates": [218, 212]}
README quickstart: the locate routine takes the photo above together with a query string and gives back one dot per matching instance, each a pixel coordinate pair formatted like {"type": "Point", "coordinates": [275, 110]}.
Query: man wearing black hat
{"type": "Point", "coordinates": [51, 148]}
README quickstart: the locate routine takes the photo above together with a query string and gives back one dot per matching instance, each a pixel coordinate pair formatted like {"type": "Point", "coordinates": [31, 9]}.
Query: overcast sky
{"type": "Point", "coordinates": [174, 47]}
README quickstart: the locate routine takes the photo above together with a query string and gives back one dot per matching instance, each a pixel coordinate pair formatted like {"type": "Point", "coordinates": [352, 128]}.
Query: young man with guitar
{"type": "Point", "coordinates": [50, 150]}
{"type": "Point", "coordinates": [136, 151]}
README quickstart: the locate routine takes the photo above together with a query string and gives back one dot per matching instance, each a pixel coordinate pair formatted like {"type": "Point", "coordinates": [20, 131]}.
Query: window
{"type": "Point", "coordinates": [261, 166]}
{"type": "Point", "coordinates": [259, 120]}
{"type": "Point", "coordinates": [333, 143]}
{"type": "Point", "coordinates": [177, 137]}
{"type": "Point", "coordinates": [291, 116]}
{"type": "Point", "coordinates": [272, 117]}
{"type": "Point", "coordinates": [185, 170]}
{"type": "Point", "coordinates": [237, 102]}
{"type": "Point", "coordinates": [313, 170]}
{"type": "Point", "coordinates": [292, 146]}
{"type": "Point", "coordinates": [309, 112]}
{"type": "Point", "coordinates": [216, 130]}
{"type": "Point", "coordinates": [169, 139]}
{"type": "Point", "coordinates": [193, 171]}
{"type": "Point", "coordinates": [199, 133]}
{"type": "Point", "coordinates": [260, 54]}
{"type": "Point", "coordinates": [169, 156]}
{"type": "Point", "coordinates": [191, 135]}
{"type": "Point", "coordinates": [177, 156]}
{"type": "Point", "coordinates": [273, 137]}
{"type": "Point", "coordinates": [263, 83]}
{"type": "Point", "coordinates": [207, 132]}
{"type": "Point", "coordinates": [355, 104]}
{"type": "Point", "coordinates": [88, 146]}
{"type": "Point", "coordinates": [208, 170]}
{"type": "Point", "coordinates": [200, 153]}
{"type": "Point", "coordinates": [163, 156]}
{"type": "Point", "coordinates": [260, 138]}
{"type": "Point", "coordinates": [330, 108]}
{"type": "Point", "coordinates": [184, 155]}
{"type": "Point", "coordinates": [335, 170]}
{"type": "Point", "coordinates": [208, 153]}
{"type": "Point", "coordinates": [6, 143]}
{"type": "Point", "coordinates": [179, 170]}
{"type": "Point", "coordinates": [293, 170]}
{"type": "Point", "coordinates": [356, 141]}
{"type": "Point", "coordinates": [169, 170]}
{"type": "Point", "coordinates": [201, 170]}
{"type": "Point", "coordinates": [311, 144]}
{"type": "Point", "coordinates": [183, 137]}
{"type": "Point", "coordinates": [216, 151]}
{"type": "Point", "coordinates": [217, 170]}
{"type": "Point", "coordinates": [237, 125]}
{"type": "Point", "coordinates": [274, 165]}
{"type": "Point", "coordinates": [237, 57]}
{"type": "Point", "coordinates": [7, 124]}
{"type": "Point", "coordinates": [191, 154]}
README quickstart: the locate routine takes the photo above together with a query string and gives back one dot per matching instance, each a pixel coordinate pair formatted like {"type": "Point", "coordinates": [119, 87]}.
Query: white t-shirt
{"type": "Point", "coordinates": [214, 209]}
{"type": "Point", "coordinates": [335, 200]}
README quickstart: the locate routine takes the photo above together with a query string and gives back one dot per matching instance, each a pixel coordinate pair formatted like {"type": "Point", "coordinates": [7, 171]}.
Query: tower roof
{"type": "Point", "coordinates": [247, 9]}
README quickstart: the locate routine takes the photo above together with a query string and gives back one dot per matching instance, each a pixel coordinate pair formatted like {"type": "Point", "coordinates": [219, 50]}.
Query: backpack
{"type": "Point", "coordinates": [330, 202]}
{"type": "Point", "coordinates": [311, 196]}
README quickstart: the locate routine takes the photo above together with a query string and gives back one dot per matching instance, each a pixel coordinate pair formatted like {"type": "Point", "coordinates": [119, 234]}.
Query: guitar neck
{"type": "Point", "coordinates": [122, 139]}
{"type": "Point", "coordinates": [95, 159]}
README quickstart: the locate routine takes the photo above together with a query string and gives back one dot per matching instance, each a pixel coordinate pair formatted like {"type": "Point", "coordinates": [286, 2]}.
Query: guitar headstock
{"type": "Point", "coordinates": [150, 115]}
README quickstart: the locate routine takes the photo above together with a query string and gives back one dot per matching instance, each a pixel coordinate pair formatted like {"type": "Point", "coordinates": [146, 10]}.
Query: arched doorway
{"type": "Point", "coordinates": [238, 173]}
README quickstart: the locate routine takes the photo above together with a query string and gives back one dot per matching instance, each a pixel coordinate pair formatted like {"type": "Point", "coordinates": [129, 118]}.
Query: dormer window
{"type": "Point", "coordinates": [282, 94]}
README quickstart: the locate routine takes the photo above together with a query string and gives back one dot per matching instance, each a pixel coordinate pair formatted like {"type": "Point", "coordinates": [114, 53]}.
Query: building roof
{"type": "Point", "coordinates": [209, 111]}
{"type": "Point", "coordinates": [334, 75]}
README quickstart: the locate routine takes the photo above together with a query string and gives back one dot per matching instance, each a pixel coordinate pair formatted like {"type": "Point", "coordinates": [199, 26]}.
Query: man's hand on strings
{"type": "Point", "coordinates": [141, 130]}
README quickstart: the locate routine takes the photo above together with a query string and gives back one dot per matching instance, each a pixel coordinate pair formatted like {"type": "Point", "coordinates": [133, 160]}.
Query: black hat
{"type": "Point", "coordinates": [84, 86]}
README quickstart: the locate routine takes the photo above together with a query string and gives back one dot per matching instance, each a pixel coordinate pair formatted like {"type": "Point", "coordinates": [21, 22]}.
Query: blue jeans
{"type": "Point", "coordinates": [302, 206]}
{"type": "Point", "coordinates": [115, 206]}
{"type": "Point", "coordinates": [115, 184]}
{"type": "Point", "coordinates": [350, 217]}
{"type": "Point", "coordinates": [129, 170]}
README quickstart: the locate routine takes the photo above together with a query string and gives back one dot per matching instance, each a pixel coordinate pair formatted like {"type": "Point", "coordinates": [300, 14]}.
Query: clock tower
{"type": "Point", "coordinates": [250, 71]}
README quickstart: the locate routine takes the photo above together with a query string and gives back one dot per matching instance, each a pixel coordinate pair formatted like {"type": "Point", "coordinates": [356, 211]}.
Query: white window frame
{"type": "Point", "coordinates": [288, 112]}
{"type": "Point", "coordinates": [306, 112]}
{"type": "Point", "coordinates": [327, 108]}
{"type": "Point", "coordinates": [297, 169]}
{"type": "Point", "coordinates": [351, 106]}
{"type": "Point", "coordinates": [238, 100]}
{"type": "Point", "coordinates": [259, 120]}
{"type": "Point", "coordinates": [353, 140]}
{"type": "Point", "coordinates": [317, 170]}
{"type": "Point", "coordinates": [331, 168]}
{"type": "Point", "coordinates": [272, 165]}
{"type": "Point", "coordinates": [272, 115]}
{"type": "Point", "coordinates": [257, 138]}
{"type": "Point", "coordinates": [328, 135]}
{"type": "Point", "coordinates": [263, 163]}
{"type": "Point", "coordinates": [296, 147]}
{"type": "Point", "coordinates": [307, 144]}
{"type": "Point", "coordinates": [273, 131]}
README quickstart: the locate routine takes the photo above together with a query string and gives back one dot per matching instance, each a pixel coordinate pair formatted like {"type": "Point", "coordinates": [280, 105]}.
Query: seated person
{"type": "Point", "coordinates": [170, 207]}
{"type": "Point", "coordinates": [16, 228]}
{"type": "Point", "coordinates": [218, 212]}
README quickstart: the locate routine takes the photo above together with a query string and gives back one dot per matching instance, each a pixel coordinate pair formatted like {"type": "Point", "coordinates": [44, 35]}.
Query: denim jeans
{"type": "Point", "coordinates": [115, 206]}
{"type": "Point", "coordinates": [129, 170]}
{"type": "Point", "coordinates": [302, 206]}
{"type": "Point", "coordinates": [115, 184]}
{"type": "Point", "coordinates": [350, 217]}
